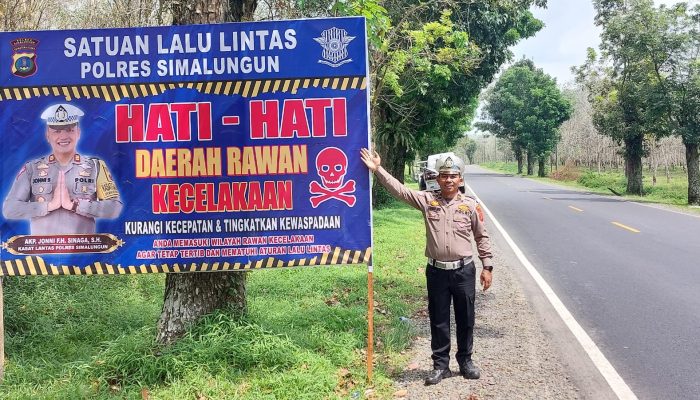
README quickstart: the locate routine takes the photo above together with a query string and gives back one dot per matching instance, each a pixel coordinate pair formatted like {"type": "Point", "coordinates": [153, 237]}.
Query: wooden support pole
{"type": "Point", "coordinates": [2, 334]}
{"type": "Point", "coordinates": [370, 324]}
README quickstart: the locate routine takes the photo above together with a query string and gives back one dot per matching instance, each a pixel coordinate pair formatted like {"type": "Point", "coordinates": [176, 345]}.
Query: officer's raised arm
{"type": "Point", "coordinates": [396, 188]}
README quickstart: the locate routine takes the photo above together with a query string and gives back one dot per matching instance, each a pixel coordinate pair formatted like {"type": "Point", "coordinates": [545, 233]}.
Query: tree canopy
{"type": "Point", "coordinates": [526, 107]}
{"type": "Point", "coordinates": [646, 81]}
{"type": "Point", "coordinates": [430, 67]}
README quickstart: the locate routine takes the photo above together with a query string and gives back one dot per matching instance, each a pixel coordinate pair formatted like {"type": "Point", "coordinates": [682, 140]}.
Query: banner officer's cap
{"type": "Point", "coordinates": [62, 114]}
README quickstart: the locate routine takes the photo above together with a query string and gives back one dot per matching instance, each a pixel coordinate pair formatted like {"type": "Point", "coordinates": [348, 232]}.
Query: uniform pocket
{"type": "Point", "coordinates": [84, 188]}
{"type": "Point", "coordinates": [42, 190]}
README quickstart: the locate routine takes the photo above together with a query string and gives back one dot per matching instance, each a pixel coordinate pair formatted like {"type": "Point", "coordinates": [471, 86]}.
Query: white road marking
{"type": "Point", "coordinates": [617, 384]}
{"type": "Point", "coordinates": [575, 209]}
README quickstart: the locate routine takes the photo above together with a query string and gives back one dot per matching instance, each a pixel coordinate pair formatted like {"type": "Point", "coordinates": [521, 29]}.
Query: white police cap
{"type": "Point", "coordinates": [449, 163]}
{"type": "Point", "coordinates": [62, 114]}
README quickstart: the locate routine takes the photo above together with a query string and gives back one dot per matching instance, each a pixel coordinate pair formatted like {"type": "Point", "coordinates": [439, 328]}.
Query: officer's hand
{"type": "Point", "coordinates": [63, 189]}
{"type": "Point", "coordinates": [372, 161]}
{"type": "Point", "coordinates": [486, 277]}
{"type": "Point", "coordinates": [57, 199]}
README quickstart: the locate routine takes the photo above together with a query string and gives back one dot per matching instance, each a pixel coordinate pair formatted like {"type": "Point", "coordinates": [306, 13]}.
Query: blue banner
{"type": "Point", "coordinates": [184, 148]}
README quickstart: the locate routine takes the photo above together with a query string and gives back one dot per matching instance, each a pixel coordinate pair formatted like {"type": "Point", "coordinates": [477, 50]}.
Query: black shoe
{"type": "Point", "coordinates": [436, 376]}
{"type": "Point", "coordinates": [469, 371]}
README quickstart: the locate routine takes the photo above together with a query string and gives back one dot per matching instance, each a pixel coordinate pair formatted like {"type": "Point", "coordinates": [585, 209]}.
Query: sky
{"type": "Point", "coordinates": [568, 32]}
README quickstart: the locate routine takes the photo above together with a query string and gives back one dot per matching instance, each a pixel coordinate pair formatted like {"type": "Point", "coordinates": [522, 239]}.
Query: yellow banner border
{"type": "Point", "coordinates": [244, 88]}
{"type": "Point", "coordinates": [34, 265]}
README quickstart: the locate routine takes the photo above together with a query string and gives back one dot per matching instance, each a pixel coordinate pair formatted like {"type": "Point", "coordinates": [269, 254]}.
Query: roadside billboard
{"type": "Point", "coordinates": [184, 148]}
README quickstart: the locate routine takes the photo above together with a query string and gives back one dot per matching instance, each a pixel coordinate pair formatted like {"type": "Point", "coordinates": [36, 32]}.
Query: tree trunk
{"type": "Point", "coordinates": [212, 11]}
{"type": "Point", "coordinates": [193, 295]}
{"type": "Point", "coordinates": [540, 167]}
{"type": "Point", "coordinates": [394, 159]}
{"type": "Point", "coordinates": [190, 296]}
{"type": "Point", "coordinates": [530, 163]}
{"type": "Point", "coordinates": [519, 156]}
{"type": "Point", "coordinates": [633, 164]}
{"type": "Point", "coordinates": [691, 159]}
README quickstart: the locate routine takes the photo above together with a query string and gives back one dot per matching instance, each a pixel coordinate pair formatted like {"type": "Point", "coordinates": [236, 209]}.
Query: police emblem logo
{"type": "Point", "coordinates": [434, 203]}
{"type": "Point", "coordinates": [41, 189]}
{"type": "Point", "coordinates": [43, 173]}
{"type": "Point", "coordinates": [61, 115]}
{"type": "Point", "coordinates": [24, 57]}
{"type": "Point", "coordinates": [480, 212]}
{"type": "Point", "coordinates": [448, 163]}
{"type": "Point", "coordinates": [463, 208]}
{"type": "Point", "coordinates": [334, 42]}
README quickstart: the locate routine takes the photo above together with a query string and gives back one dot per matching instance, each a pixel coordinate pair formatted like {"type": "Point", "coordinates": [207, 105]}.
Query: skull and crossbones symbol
{"type": "Point", "coordinates": [332, 165]}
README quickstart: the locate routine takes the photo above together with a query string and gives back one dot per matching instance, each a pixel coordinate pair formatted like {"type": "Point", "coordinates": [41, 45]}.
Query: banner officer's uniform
{"type": "Point", "coordinates": [90, 185]}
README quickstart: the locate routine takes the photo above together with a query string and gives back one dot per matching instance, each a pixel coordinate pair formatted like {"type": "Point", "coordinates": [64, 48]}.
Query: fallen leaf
{"type": "Point", "coordinates": [369, 393]}
{"type": "Point", "coordinates": [472, 397]}
{"type": "Point", "coordinates": [344, 372]}
{"type": "Point", "coordinates": [401, 393]}
{"type": "Point", "coordinates": [145, 395]}
{"type": "Point", "coordinates": [412, 366]}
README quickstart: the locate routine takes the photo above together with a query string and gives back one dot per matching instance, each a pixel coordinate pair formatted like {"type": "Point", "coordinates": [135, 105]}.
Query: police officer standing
{"type": "Point", "coordinates": [63, 192]}
{"type": "Point", "coordinates": [452, 222]}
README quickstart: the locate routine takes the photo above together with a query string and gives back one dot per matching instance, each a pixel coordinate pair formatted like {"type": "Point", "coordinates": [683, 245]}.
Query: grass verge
{"type": "Point", "coordinates": [304, 337]}
{"type": "Point", "coordinates": [671, 190]}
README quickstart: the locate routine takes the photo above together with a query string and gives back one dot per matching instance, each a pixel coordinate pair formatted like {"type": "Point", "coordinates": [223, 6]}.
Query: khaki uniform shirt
{"type": "Point", "coordinates": [88, 180]}
{"type": "Point", "coordinates": [450, 227]}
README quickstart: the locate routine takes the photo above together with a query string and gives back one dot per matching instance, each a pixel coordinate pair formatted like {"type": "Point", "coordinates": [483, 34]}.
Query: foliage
{"type": "Point", "coordinates": [565, 173]}
{"type": "Point", "coordinates": [433, 65]}
{"type": "Point", "coordinates": [526, 107]}
{"type": "Point", "coordinates": [647, 80]}
{"type": "Point", "coordinates": [466, 147]}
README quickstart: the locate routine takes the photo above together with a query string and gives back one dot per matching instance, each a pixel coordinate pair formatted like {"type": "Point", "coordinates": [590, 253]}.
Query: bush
{"type": "Point", "coordinates": [603, 180]}
{"type": "Point", "coordinates": [566, 173]}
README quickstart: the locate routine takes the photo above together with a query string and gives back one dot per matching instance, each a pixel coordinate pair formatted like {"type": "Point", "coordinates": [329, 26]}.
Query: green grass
{"type": "Point", "coordinates": [672, 192]}
{"type": "Point", "coordinates": [303, 338]}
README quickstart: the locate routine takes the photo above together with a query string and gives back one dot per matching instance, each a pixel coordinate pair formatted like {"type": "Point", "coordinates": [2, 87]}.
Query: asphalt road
{"type": "Point", "coordinates": [629, 273]}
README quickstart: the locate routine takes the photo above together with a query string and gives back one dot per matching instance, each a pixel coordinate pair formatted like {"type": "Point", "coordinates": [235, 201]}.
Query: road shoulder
{"type": "Point", "coordinates": [521, 345]}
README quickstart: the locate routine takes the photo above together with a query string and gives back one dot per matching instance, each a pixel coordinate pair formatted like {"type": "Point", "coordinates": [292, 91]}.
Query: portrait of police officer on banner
{"type": "Point", "coordinates": [63, 192]}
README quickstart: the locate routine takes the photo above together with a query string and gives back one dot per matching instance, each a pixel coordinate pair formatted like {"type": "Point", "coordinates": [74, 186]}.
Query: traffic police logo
{"type": "Point", "coordinates": [334, 42]}
{"type": "Point", "coordinates": [24, 57]}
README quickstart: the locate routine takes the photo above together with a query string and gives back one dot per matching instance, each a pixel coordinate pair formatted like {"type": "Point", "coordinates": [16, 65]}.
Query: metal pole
{"type": "Point", "coordinates": [370, 323]}
{"type": "Point", "coordinates": [2, 334]}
